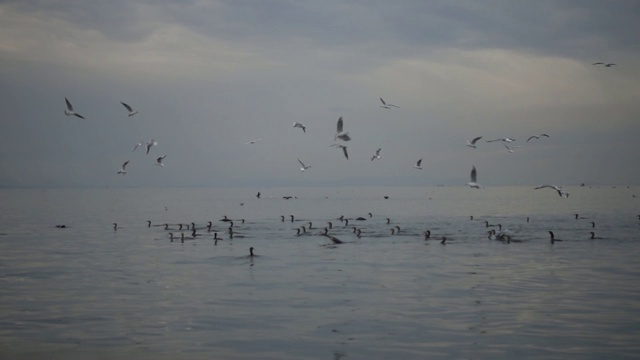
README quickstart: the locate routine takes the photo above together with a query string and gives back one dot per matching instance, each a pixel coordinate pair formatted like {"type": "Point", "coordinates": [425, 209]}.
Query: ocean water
{"type": "Point", "coordinates": [88, 291]}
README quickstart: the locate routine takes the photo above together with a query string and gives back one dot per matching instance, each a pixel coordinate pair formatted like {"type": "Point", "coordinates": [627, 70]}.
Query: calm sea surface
{"type": "Point", "coordinates": [88, 291]}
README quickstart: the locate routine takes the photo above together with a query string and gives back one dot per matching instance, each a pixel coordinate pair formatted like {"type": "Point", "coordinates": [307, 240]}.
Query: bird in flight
{"type": "Point", "coordinates": [123, 170]}
{"type": "Point", "coordinates": [472, 143]}
{"type": "Point", "coordinates": [129, 108]}
{"type": "Point", "coordinates": [561, 192]}
{"type": "Point", "coordinates": [418, 165]}
{"type": "Point", "coordinates": [507, 140]}
{"type": "Point", "coordinates": [376, 155]}
{"type": "Point", "coordinates": [474, 179]}
{"type": "Point", "coordinates": [387, 105]}
{"type": "Point", "coordinates": [340, 134]}
{"type": "Point", "coordinates": [299, 125]}
{"type": "Point", "coordinates": [304, 167]}
{"type": "Point", "coordinates": [605, 64]}
{"type": "Point", "coordinates": [537, 136]}
{"type": "Point", "coordinates": [159, 160]}
{"type": "Point", "coordinates": [69, 111]}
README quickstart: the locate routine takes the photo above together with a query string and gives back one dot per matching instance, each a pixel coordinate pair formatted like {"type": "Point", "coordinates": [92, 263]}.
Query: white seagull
{"type": "Point", "coordinates": [304, 167]}
{"type": "Point", "coordinates": [507, 140]}
{"type": "Point", "coordinates": [122, 170]}
{"type": "Point", "coordinates": [474, 179]}
{"type": "Point", "coordinates": [472, 143]}
{"type": "Point", "coordinates": [418, 165]}
{"type": "Point", "coordinates": [537, 136]}
{"type": "Point", "coordinates": [150, 144]}
{"type": "Point", "coordinates": [299, 125]}
{"type": "Point", "coordinates": [344, 149]}
{"type": "Point", "coordinates": [129, 108]}
{"type": "Point", "coordinates": [159, 160]}
{"type": "Point", "coordinates": [69, 111]}
{"type": "Point", "coordinates": [376, 155]}
{"type": "Point", "coordinates": [344, 136]}
{"type": "Point", "coordinates": [561, 192]}
{"type": "Point", "coordinates": [386, 105]}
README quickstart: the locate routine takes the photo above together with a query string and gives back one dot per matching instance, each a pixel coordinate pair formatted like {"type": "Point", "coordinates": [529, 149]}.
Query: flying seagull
{"type": "Point", "coordinates": [344, 150]}
{"type": "Point", "coordinates": [122, 170]}
{"type": "Point", "coordinates": [69, 111]}
{"type": "Point", "coordinates": [150, 144]}
{"type": "Point", "coordinates": [605, 64]}
{"type": "Point", "coordinates": [472, 143]}
{"type": "Point", "coordinates": [304, 167]}
{"type": "Point", "coordinates": [129, 108]}
{"type": "Point", "coordinates": [561, 192]}
{"type": "Point", "coordinates": [137, 146]}
{"type": "Point", "coordinates": [159, 160]}
{"type": "Point", "coordinates": [376, 155]}
{"type": "Point", "coordinates": [386, 105]}
{"type": "Point", "coordinates": [418, 165]}
{"type": "Point", "coordinates": [537, 137]}
{"type": "Point", "coordinates": [344, 136]}
{"type": "Point", "coordinates": [299, 125]}
{"type": "Point", "coordinates": [507, 140]}
{"type": "Point", "coordinates": [474, 179]}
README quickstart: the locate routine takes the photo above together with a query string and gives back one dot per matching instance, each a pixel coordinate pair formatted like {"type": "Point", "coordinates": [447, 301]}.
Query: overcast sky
{"type": "Point", "coordinates": [209, 76]}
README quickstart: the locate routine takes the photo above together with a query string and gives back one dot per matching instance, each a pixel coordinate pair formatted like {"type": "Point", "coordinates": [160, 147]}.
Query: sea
{"type": "Point", "coordinates": [73, 286]}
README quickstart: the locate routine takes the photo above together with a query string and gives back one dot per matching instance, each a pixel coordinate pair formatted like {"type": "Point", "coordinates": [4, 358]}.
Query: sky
{"type": "Point", "coordinates": [208, 77]}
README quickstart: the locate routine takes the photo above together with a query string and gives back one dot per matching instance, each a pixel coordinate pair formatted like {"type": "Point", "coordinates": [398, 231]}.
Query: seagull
{"type": "Point", "coordinates": [507, 140]}
{"type": "Point", "coordinates": [561, 192]}
{"type": "Point", "coordinates": [387, 105]}
{"type": "Point", "coordinates": [376, 155]}
{"type": "Point", "coordinates": [253, 141]}
{"type": "Point", "coordinates": [137, 146]}
{"type": "Point", "coordinates": [474, 179]}
{"type": "Point", "coordinates": [418, 165]}
{"type": "Point", "coordinates": [69, 111]}
{"type": "Point", "coordinates": [122, 170]}
{"type": "Point", "coordinates": [537, 137]}
{"type": "Point", "coordinates": [299, 125]}
{"type": "Point", "coordinates": [304, 167]}
{"type": "Point", "coordinates": [159, 160]}
{"type": "Point", "coordinates": [605, 64]}
{"type": "Point", "coordinates": [150, 144]}
{"type": "Point", "coordinates": [130, 109]}
{"type": "Point", "coordinates": [344, 136]}
{"type": "Point", "coordinates": [472, 143]}
{"type": "Point", "coordinates": [344, 149]}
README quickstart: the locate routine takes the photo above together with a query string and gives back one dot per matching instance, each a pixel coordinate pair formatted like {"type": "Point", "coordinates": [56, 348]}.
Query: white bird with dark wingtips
{"type": "Point", "coordinates": [561, 192]}
{"type": "Point", "coordinates": [474, 179]}
{"type": "Point", "coordinates": [473, 142]}
{"type": "Point", "coordinates": [537, 137]}
{"type": "Point", "coordinates": [299, 125]}
{"type": "Point", "coordinates": [150, 144]}
{"type": "Point", "coordinates": [344, 149]}
{"type": "Point", "coordinates": [376, 155]}
{"type": "Point", "coordinates": [507, 140]}
{"type": "Point", "coordinates": [387, 105]}
{"type": "Point", "coordinates": [304, 167]}
{"type": "Point", "coordinates": [340, 134]}
{"type": "Point", "coordinates": [129, 108]}
{"type": "Point", "coordinates": [69, 111]}
{"type": "Point", "coordinates": [159, 160]}
{"type": "Point", "coordinates": [123, 170]}
{"type": "Point", "coordinates": [418, 165]}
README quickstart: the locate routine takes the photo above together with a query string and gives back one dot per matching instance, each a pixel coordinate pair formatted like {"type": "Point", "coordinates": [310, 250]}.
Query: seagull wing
{"type": "Point", "coordinates": [383, 103]}
{"type": "Point", "coordinates": [532, 137]}
{"type": "Point", "coordinates": [69, 106]}
{"type": "Point", "coordinates": [126, 106]}
{"type": "Point", "coordinates": [78, 115]}
{"type": "Point", "coordinates": [473, 142]}
{"type": "Point", "coordinates": [340, 125]}
{"type": "Point", "coordinates": [301, 163]}
{"type": "Point", "coordinates": [474, 175]}
{"type": "Point", "coordinates": [545, 135]}
{"type": "Point", "coordinates": [419, 162]}
{"type": "Point", "coordinates": [344, 150]}
{"type": "Point", "coordinates": [378, 152]}
{"type": "Point", "coordinates": [125, 165]}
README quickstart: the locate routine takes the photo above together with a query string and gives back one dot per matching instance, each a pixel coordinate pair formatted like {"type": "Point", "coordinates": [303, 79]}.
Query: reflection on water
{"type": "Point", "coordinates": [89, 291]}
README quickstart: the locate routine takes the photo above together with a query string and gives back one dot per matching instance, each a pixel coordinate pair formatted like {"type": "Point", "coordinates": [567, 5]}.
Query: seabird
{"type": "Point", "coordinates": [376, 155]}
{"type": "Point", "coordinates": [123, 170]}
{"type": "Point", "coordinates": [299, 125]}
{"type": "Point", "coordinates": [507, 140]}
{"type": "Point", "coordinates": [304, 167]}
{"type": "Point", "coordinates": [553, 238]}
{"type": "Point", "coordinates": [537, 137]}
{"type": "Point", "coordinates": [472, 143]}
{"type": "Point", "coordinates": [131, 111]}
{"type": "Point", "coordinates": [159, 160]}
{"type": "Point", "coordinates": [69, 111]}
{"type": "Point", "coordinates": [474, 179]}
{"type": "Point", "coordinates": [418, 165]}
{"type": "Point", "coordinates": [561, 192]}
{"type": "Point", "coordinates": [387, 105]}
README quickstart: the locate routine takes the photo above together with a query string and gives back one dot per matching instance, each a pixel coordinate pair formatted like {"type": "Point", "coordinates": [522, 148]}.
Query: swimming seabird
{"type": "Point", "coordinates": [418, 164]}
{"type": "Point", "coordinates": [387, 105]}
{"type": "Point", "coordinates": [115, 226]}
{"type": "Point", "coordinates": [304, 167]}
{"type": "Point", "coordinates": [472, 143]}
{"type": "Point", "coordinates": [474, 179]}
{"type": "Point", "coordinates": [344, 149]}
{"type": "Point", "coordinates": [159, 160]}
{"type": "Point", "coordinates": [537, 136]}
{"type": "Point", "coordinates": [340, 134]}
{"type": "Point", "coordinates": [131, 111]}
{"type": "Point", "coordinates": [427, 234]}
{"type": "Point", "coordinates": [299, 125]}
{"type": "Point", "coordinates": [150, 144]}
{"type": "Point", "coordinates": [69, 111]}
{"type": "Point", "coordinates": [251, 254]}
{"type": "Point", "coordinates": [123, 170]}
{"type": "Point", "coordinates": [553, 238]}
{"type": "Point", "coordinates": [376, 155]}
